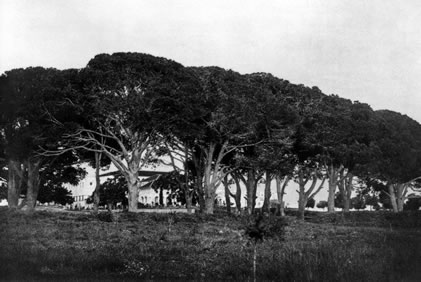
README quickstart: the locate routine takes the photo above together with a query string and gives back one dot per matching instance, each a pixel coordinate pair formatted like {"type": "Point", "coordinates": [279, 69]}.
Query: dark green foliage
{"type": "Point", "coordinates": [30, 99]}
{"type": "Point", "coordinates": [127, 104]}
{"type": "Point", "coordinates": [400, 147]}
{"type": "Point", "coordinates": [358, 203]}
{"type": "Point", "coordinates": [257, 229]}
{"type": "Point", "coordinates": [413, 204]}
{"type": "Point", "coordinates": [58, 194]}
{"type": "Point", "coordinates": [171, 183]}
{"type": "Point", "coordinates": [372, 201]}
{"type": "Point", "coordinates": [311, 203]}
{"type": "Point", "coordinates": [339, 200]}
{"type": "Point", "coordinates": [375, 190]}
{"type": "Point", "coordinates": [322, 204]}
{"type": "Point", "coordinates": [112, 192]}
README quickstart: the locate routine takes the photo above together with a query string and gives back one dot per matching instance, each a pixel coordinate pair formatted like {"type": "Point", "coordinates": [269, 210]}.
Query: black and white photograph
{"type": "Point", "coordinates": [224, 140]}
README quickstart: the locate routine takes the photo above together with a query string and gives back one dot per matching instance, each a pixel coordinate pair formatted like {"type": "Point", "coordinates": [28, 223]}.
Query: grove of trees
{"type": "Point", "coordinates": [216, 127]}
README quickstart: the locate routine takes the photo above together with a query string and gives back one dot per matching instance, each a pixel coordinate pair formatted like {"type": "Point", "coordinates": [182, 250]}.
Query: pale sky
{"type": "Point", "coordinates": [362, 50]}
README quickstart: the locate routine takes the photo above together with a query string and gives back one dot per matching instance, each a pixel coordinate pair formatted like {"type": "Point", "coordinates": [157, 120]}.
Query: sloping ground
{"type": "Point", "coordinates": [71, 246]}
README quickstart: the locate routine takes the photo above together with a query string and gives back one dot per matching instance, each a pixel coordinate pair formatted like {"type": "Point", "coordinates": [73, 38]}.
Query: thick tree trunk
{"type": "Point", "coordinates": [32, 184]}
{"type": "Point", "coordinates": [133, 187]}
{"type": "Point", "coordinates": [302, 202]}
{"type": "Point", "coordinates": [400, 196]}
{"type": "Point", "coordinates": [209, 199]}
{"type": "Point", "coordinates": [331, 197]}
{"type": "Point", "coordinates": [251, 185]}
{"type": "Point", "coordinates": [96, 195]}
{"type": "Point", "coordinates": [266, 202]}
{"type": "Point", "coordinates": [302, 197]}
{"type": "Point", "coordinates": [14, 184]}
{"type": "Point", "coordinates": [227, 194]}
{"type": "Point", "coordinates": [392, 196]}
{"type": "Point", "coordinates": [333, 181]}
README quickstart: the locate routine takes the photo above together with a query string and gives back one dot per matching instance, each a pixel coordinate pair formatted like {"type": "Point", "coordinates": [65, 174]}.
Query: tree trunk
{"type": "Point", "coordinates": [251, 185]}
{"type": "Point", "coordinates": [341, 187]}
{"type": "Point", "coordinates": [302, 202]}
{"type": "Point", "coordinates": [188, 195]}
{"type": "Point", "coordinates": [266, 202]}
{"type": "Point", "coordinates": [202, 202]}
{"type": "Point", "coordinates": [96, 195]}
{"type": "Point", "coordinates": [302, 197]}
{"type": "Point", "coordinates": [331, 197]}
{"type": "Point", "coordinates": [200, 190]}
{"type": "Point", "coordinates": [392, 196]}
{"type": "Point", "coordinates": [32, 184]}
{"type": "Point", "coordinates": [333, 181]}
{"type": "Point", "coordinates": [189, 201]}
{"type": "Point", "coordinates": [280, 190]}
{"type": "Point", "coordinates": [227, 194]}
{"type": "Point", "coordinates": [237, 196]}
{"type": "Point", "coordinates": [348, 192]}
{"type": "Point", "coordinates": [161, 196]}
{"type": "Point", "coordinates": [400, 197]}
{"type": "Point", "coordinates": [209, 199]}
{"type": "Point", "coordinates": [14, 184]}
{"type": "Point", "coordinates": [133, 189]}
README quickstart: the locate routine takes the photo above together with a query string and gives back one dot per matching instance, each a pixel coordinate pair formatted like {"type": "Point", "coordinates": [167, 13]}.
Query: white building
{"type": "Point", "coordinates": [83, 190]}
{"type": "Point", "coordinates": [149, 196]}
{"type": "Point", "coordinates": [3, 182]}
{"type": "Point", "coordinates": [86, 187]}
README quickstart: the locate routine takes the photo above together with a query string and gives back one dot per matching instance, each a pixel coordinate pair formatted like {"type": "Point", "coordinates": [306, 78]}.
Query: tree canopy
{"type": "Point", "coordinates": [136, 109]}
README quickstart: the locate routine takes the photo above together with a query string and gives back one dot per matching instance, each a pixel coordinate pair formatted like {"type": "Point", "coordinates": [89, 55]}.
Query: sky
{"type": "Point", "coordinates": [369, 51]}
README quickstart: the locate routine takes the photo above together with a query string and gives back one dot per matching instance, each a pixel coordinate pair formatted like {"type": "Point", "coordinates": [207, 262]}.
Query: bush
{"type": "Point", "coordinates": [322, 204]}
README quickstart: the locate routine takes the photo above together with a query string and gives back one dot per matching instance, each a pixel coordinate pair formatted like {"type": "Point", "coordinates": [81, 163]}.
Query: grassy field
{"type": "Point", "coordinates": [62, 246]}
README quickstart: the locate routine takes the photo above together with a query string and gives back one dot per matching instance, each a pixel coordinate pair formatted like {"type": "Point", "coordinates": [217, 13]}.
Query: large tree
{"type": "Point", "coordinates": [274, 121]}
{"type": "Point", "coordinates": [398, 165]}
{"type": "Point", "coordinates": [28, 98]}
{"type": "Point", "coordinates": [131, 100]}
{"type": "Point", "coordinates": [343, 132]}
{"type": "Point", "coordinates": [225, 128]}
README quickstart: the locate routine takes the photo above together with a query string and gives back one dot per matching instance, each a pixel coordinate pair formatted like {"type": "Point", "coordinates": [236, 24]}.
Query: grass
{"type": "Point", "coordinates": [169, 247]}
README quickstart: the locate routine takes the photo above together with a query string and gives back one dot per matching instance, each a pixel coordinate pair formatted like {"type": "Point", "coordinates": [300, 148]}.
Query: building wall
{"type": "Point", "coordinates": [150, 197]}
{"type": "Point", "coordinates": [83, 190]}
